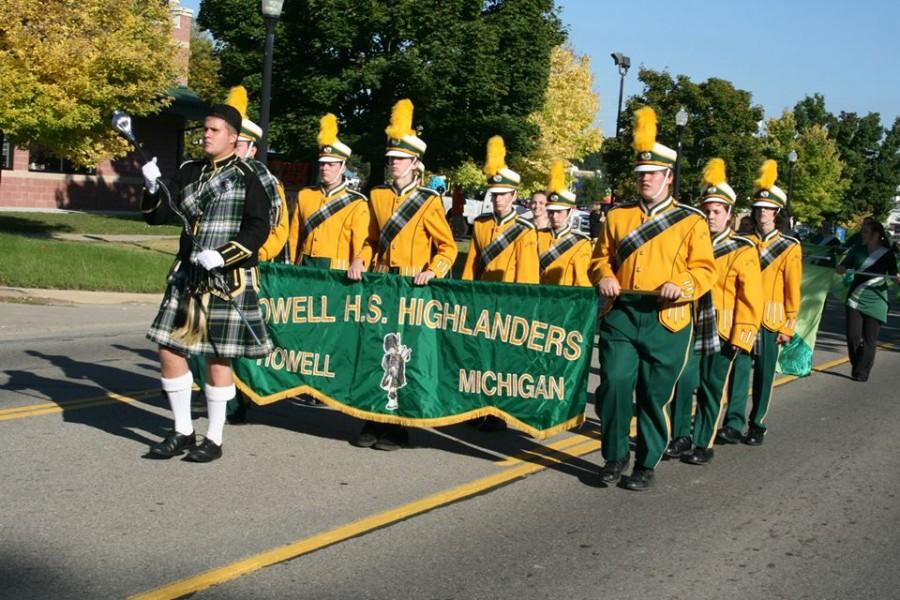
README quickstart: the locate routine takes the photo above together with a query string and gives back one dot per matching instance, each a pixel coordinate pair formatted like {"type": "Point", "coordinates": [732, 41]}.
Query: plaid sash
{"type": "Point", "coordinates": [558, 250]}
{"type": "Point", "coordinates": [768, 255]}
{"type": "Point", "coordinates": [399, 219]}
{"type": "Point", "coordinates": [649, 230]}
{"type": "Point", "coordinates": [328, 210]}
{"type": "Point", "coordinates": [502, 242]}
{"type": "Point", "coordinates": [706, 338]}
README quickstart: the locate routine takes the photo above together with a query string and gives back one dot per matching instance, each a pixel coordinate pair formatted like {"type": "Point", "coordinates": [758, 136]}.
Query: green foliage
{"type": "Point", "coordinates": [869, 154]}
{"type": "Point", "coordinates": [818, 184]}
{"type": "Point", "coordinates": [722, 122]}
{"type": "Point", "coordinates": [469, 177]}
{"type": "Point", "coordinates": [203, 78]}
{"type": "Point", "coordinates": [65, 66]}
{"type": "Point", "coordinates": [472, 68]}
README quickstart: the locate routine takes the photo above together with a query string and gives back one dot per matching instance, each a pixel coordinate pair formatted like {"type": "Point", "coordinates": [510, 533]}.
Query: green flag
{"type": "Point", "coordinates": [796, 356]}
{"type": "Point", "coordinates": [386, 350]}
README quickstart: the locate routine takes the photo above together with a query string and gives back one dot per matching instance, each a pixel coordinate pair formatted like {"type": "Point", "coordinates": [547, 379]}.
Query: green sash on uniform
{"type": "Point", "coordinates": [503, 241]}
{"type": "Point", "coordinates": [401, 217]}
{"type": "Point", "coordinates": [559, 249]}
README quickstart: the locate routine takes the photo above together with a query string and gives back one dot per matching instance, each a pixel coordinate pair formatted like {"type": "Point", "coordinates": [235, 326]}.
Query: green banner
{"type": "Point", "coordinates": [386, 350]}
{"type": "Point", "coordinates": [797, 355]}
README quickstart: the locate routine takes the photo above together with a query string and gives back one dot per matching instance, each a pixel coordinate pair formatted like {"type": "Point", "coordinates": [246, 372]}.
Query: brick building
{"type": "Point", "coordinates": [31, 178]}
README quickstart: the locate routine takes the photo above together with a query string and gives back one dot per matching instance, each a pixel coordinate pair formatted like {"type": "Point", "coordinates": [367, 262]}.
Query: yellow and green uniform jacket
{"type": "Point", "coordinates": [738, 293]}
{"type": "Point", "coordinates": [681, 255]}
{"type": "Point", "coordinates": [780, 284]}
{"type": "Point", "coordinates": [425, 243]}
{"type": "Point", "coordinates": [517, 263]}
{"type": "Point", "coordinates": [340, 237]}
{"type": "Point", "coordinates": [573, 265]}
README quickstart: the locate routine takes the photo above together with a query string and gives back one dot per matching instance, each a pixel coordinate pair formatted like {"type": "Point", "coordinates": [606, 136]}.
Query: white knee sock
{"type": "Point", "coordinates": [178, 390]}
{"type": "Point", "coordinates": [216, 404]}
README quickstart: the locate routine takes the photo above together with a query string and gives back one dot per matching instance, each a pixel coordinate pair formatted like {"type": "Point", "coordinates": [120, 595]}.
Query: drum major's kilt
{"type": "Point", "coordinates": [227, 335]}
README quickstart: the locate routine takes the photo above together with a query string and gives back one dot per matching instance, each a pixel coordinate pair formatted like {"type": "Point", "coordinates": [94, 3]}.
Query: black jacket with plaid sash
{"type": "Point", "coordinates": [226, 204]}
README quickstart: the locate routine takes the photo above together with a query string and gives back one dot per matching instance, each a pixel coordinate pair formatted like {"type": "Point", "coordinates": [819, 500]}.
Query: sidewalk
{"type": "Point", "coordinates": [47, 296]}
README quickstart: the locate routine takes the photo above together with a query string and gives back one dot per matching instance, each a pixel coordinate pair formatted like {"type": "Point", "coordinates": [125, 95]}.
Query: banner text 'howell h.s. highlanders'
{"type": "Point", "coordinates": [386, 350]}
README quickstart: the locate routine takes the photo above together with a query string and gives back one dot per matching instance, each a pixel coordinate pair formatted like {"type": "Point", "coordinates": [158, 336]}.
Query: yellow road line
{"type": "Point", "coordinates": [48, 408]}
{"type": "Point", "coordinates": [248, 565]}
{"type": "Point", "coordinates": [534, 461]}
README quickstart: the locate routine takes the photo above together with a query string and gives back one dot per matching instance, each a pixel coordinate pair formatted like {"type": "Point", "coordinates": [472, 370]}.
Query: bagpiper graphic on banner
{"type": "Point", "coordinates": [386, 350]}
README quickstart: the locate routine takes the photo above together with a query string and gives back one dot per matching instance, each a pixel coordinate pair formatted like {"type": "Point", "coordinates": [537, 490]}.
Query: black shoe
{"type": "Point", "coordinates": [861, 378]}
{"type": "Point", "coordinates": [678, 447]}
{"type": "Point", "coordinates": [236, 410]}
{"type": "Point", "coordinates": [728, 435]}
{"type": "Point", "coordinates": [754, 437]}
{"type": "Point", "coordinates": [173, 445]}
{"type": "Point", "coordinates": [393, 437]}
{"type": "Point", "coordinates": [698, 456]}
{"type": "Point", "coordinates": [639, 480]}
{"type": "Point", "coordinates": [612, 470]}
{"type": "Point", "coordinates": [368, 435]}
{"type": "Point", "coordinates": [205, 451]}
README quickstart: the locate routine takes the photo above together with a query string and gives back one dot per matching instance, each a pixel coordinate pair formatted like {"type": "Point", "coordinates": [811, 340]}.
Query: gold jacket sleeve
{"type": "Point", "coordinates": [294, 232]}
{"type": "Point", "coordinates": [581, 263]}
{"type": "Point", "coordinates": [793, 274]}
{"type": "Point", "coordinates": [700, 265]}
{"type": "Point", "coordinates": [528, 268]}
{"type": "Point", "coordinates": [472, 258]}
{"type": "Point", "coordinates": [441, 238]}
{"type": "Point", "coordinates": [604, 251]}
{"type": "Point", "coordinates": [359, 230]}
{"type": "Point", "coordinates": [280, 233]}
{"type": "Point", "coordinates": [748, 302]}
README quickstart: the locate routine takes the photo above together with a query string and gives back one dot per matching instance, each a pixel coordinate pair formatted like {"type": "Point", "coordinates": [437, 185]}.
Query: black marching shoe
{"type": "Point", "coordinates": [392, 437]}
{"type": "Point", "coordinates": [612, 470]}
{"type": "Point", "coordinates": [173, 445]}
{"type": "Point", "coordinates": [205, 451]}
{"type": "Point", "coordinates": [728, 435]}
{"type": "Point", "coordinates": [678, 447]}
{"type": "Point", "coordinates": [368, 435]}
{"type": "Point", "coordinates": [640, 480]}
{"type": "Point", "coordinates": [754, 437]}
{"type": "Point", "coordinates": [698, 456]}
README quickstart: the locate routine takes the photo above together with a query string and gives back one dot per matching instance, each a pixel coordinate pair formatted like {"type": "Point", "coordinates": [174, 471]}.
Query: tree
{"type": "Point", "coordinates": [473, 68]}
{"type": "Point", "coordinates": [722, 122]}
{"type": "Point", "coordinates": [818, 184]}
{"type": "Point", "coordinates": [204, 68]}
{"type": "Point", "coordinates": [65, 66]}
{"type": "Point", "coordinates": [566, 120]}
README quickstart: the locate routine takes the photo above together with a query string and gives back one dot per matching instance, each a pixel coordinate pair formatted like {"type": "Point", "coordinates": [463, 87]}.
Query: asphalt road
{"type": "Point", "coordinates": [812, 513]}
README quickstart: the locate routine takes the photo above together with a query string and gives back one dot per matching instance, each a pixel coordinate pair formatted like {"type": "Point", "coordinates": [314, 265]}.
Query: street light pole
{"type": "Point", "coordinates": [271, 10]}
{"type": "Point", "coordinates": [792, 159]}
{"type": "Point", "coordinates": [681, 119]}
{"type": "Point", "coordinates": [623, 63]}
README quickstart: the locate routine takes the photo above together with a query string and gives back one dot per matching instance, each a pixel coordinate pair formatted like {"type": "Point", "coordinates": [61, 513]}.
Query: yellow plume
{"type": "Point", "coordinates": [496, 156]}
{"type": "Point", "coordinates": [557, 177]}
{"type": "Point", "coordinates": [644, 129]}
{"type": "Point", "coordinates": [237, 97]}
{"type": "Point", "coordinates": [767, 175]}
{"type": "Point", "coordinates": [714, 172]}
{"type": "Point", "coordinates": [401, 120]}
{"type": "Point", "coordinates": [328, 129]}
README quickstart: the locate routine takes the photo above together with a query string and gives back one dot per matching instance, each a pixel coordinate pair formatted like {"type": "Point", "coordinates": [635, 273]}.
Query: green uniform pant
{"type": "Point", "coordinates": [763, 367]}
{"type": "Point", "coordinates": [714, 372]}
{"type": "Point", "coordinates": [683, 400]}
{"type": "Point", "coordinates": [640, 360]}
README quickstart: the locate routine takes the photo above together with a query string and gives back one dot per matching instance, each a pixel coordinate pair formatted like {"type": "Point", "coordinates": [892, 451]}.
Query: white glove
{"type": "Point", "coordinates": [209, 259]}
{"type": "Point", "coordinates": [151, 176]}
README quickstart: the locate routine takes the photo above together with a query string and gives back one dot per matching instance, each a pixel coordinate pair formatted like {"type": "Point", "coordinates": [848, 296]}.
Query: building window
{"type": "Point", "coordinates": [42, 161]}
{"type": "Point", "coordinates": [6, 152]}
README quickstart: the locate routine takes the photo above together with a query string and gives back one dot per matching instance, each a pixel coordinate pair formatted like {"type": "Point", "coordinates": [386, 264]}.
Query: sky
{"type": "Point", "coordinates": [779, 50]}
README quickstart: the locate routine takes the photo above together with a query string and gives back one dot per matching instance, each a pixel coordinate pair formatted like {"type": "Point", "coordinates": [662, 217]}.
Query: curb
{"type": "Point", "coordinates": [50, 296]}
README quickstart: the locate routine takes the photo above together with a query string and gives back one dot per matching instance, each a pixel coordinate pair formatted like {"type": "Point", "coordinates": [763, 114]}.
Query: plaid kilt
{"type": "Point", "coordinates": [227, 335]}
